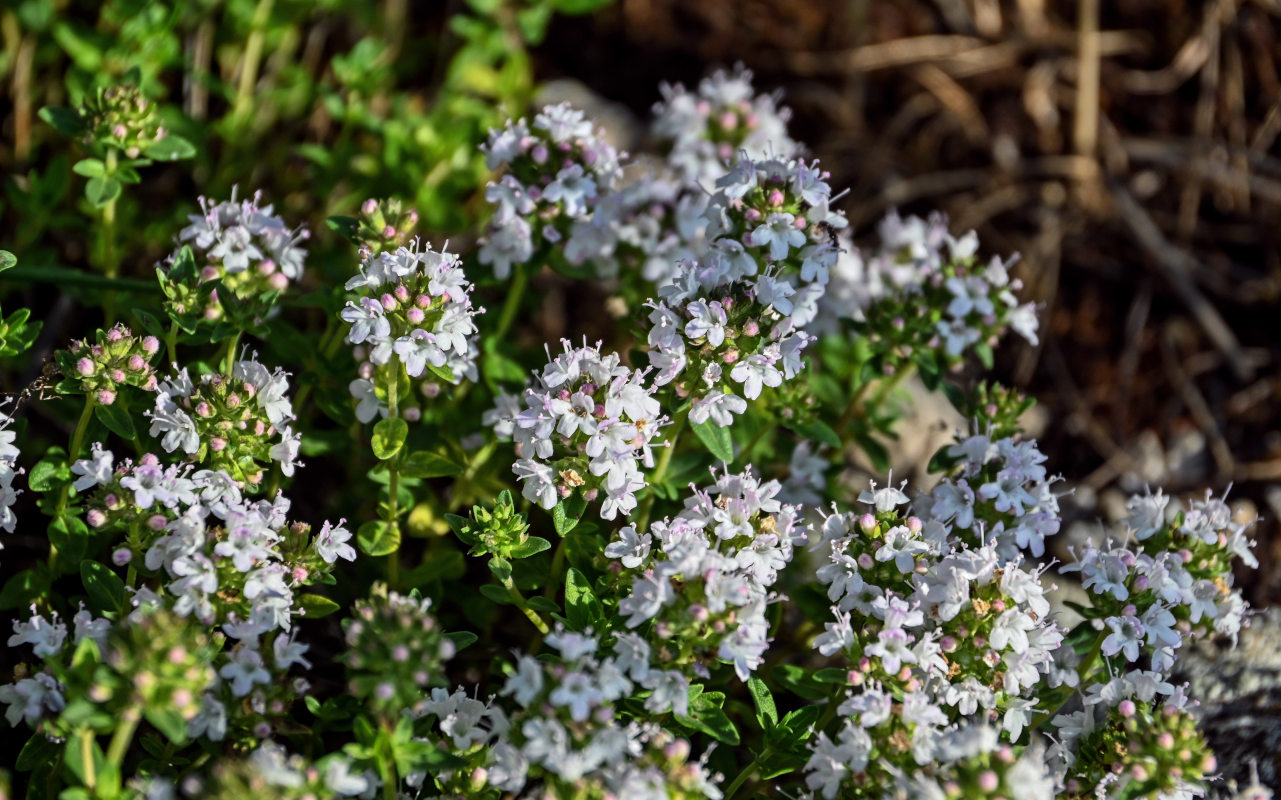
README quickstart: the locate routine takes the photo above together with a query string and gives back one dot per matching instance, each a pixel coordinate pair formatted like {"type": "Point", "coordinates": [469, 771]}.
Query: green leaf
{"type": "Point", "coordinates": [582, 609]}
{"type": "Point", "coordinates": [346, 227]}
{"type": "Point", "coordinates": [23, 587]}
{"type": "Point", "coordinates": [496, 594]}
{"type": "Point", "coordinates": [567, 512]}
{"type": "Point", "coordinates": [106, 590]}
{"type": "Point", "coordinates": [532, 546]}
{"type": "Point", "coordinates": [48, 474]}
{"type": "Point", "coordinates": [444, 373]}
{"type": "Point", "coordinates": [540, 603]}
{"type": "Point", "coordinates": [428, 465]}
{"type": "Point", "coordinates": [66, 121]}
{"type": "Point", "coordinates": [817, 431]}
{"type": "Point", "coordinates": [7, 260]}
{"type": "Point", "coordinates": [315, 606]}
{"type": "Point", "coordinates": [117, 420]}
{"type": "Point", "coordinates": [876, 452]}
{"type": "Point", "coordinates": [90, 168]}
{"type": "Point", "coordinates": [716, 439]}
{"type": "Point", "coordinates": [168, 721]}
{"type": "Point", "coordinates": [389, 437]}
{"type": "Point", "coordinates": [38, 748]}
{"type": "Point", "coordinates": [714, 722]}
{"type": "Point", "coordinates": [70, 535]}
{"type": "Point", "coordinates": [984, 351]}
{"type": "Point", "coordinates": [101, 192]}
{"type": "Point", "coordinates": [170, 148]}
{"type": "Point", "coordinates": [799, 681]}
{"type": "Point", "coordinates": [378, 538]}
{"type": "Point", "coordinates": [462, 639]}
{"type": "Point", "coordinates": [764, 701]}
{"type": "Point", "coordinates": [941, 461]}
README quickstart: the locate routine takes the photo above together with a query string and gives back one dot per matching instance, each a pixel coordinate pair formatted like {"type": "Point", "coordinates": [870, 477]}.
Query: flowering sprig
{"type": "Point", "coordinates": [241, 258]}
{"type": "Point", "coordinates": [9, 470]}
{"type": "Point", "coordinates": [703, 130]}
{"type": "Point", "coordinates": [699, 583]}
{"type": "Point", "coordinates": [414, 306]}
{"type": "Point", "coordinates": [566, 734]}
{"type": "Point", "coordinates": [553, 172]}
{"type": "Point", "coordinates": [395, 650]}
{"type": "Point", "coordinates": [586, 427]}
{"type": "Point", "coordinates": [239, 423]}
{"type": "Point", "coordinates": [712, 338]}
{"type": "Point", "coordinates": [116, 359]}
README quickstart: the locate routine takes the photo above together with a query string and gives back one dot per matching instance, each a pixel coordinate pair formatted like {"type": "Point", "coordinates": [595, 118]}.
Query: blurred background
{"type": "Point", "coordinates": [1128, 150]}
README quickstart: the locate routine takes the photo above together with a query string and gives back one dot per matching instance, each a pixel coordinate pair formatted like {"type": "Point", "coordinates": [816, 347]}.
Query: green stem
{"type": "Point", "coordinates": [86, 758]}
{"type": "Point", "coordinates": [393, 478]}
{"type": "Point", "coordinates": [229, 358]}
{"type": "Point", "coordinates": [249, 66]}
{"type": "Point", "coordinates": [171, 343]}
{"type": "Point", "coordinates": [747, 772]}
{"type": "Point", "coordinates": [660, 470]}
{"type": "Point", "coordinates": [386, 765]}
{"type": "Point", "coordinates": [110, 258]}
{"type": "Point", "coordinates": [558, 569]}
{"type": "Point", "coordinates": [123, 736]}
{"type": "Point", "coordinates": [515, 293]}
{"type": "Point", "coordinates": [523, 604]}
{"type": "Point", "coordinates": [73, 453]}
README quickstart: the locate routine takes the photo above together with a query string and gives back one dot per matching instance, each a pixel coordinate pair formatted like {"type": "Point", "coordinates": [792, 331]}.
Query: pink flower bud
{"type": "Point", "coordinates": [988, 781]}
{"type": "Point", "coordinates": [1127, 708]}
{"type": "Point", "coordinates": [118, 375]}
{"type": "Point", "coordinates": [122, 555]}
{"type": "Point", "coordinates": [217, 444]}
{"type": "Point", "coordinates": [137, 363]}
{"type": "Point", "coordinates": [729, 121]}
{"type": "Point", "coordinates": [867, 522]}
{"type": "Point", "coordinates": [775, 197]}
{"type": "Point", "coordinates": [415, 316]}
{"type": "Point", "coordinates": [389, 232]}
{"type": "Point", "coordinates": [369, 206]}
{"type": "Point", "coordinates": [150, 345]}
{"type": "Point", "coordinates": [96, 518]}
{"type": "Point", "coordinates": [156, 522]}
{"type": "Point", "coordinates": [106, 397]}
{"type": "Point", "coordinates": [388, 302]}
{"type": "Point", "coordinates": [85, 367]}
{"type": "Point", "coordinates": [278, 282]}
{"type": "Point", "coordinates": [751, 328]}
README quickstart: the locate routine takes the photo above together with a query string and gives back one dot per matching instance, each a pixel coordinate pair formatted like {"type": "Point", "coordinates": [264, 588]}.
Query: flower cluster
{"type": "Point", "coordinates": [712, 337]}
{"type": "Point", "coordinates": [244, 257]}
{"type": "Point", "coordinates": [566, 736]}
{"type": "Point", "coordinates": [704, 577]}
{"type": "Point", "coordinates": [395, 649]}
{"type": "Point", "coordinates": [222, 560]}
{"type": "Point", "coordinates": [997, 491]}
{"type": "Point", "coordinates": [587, 425]}
{"type": "Point", "coordinates": [238, 424]}
{"type": "Point", "coordinates": [414, 306]}
{"type": "Point", "coordinates": [9, 469]}
{"type": "Point", "coordinates": [1174, 580]}
{"type": "Point", "coordinates": [272, 771]}
{"type": "Point", "coordinates": [924, 291]}
{"type": "Point", "coordinates": [116, 359]}
{"type": "Point", "coordinates": [554, 171]}
{"type": "Point", "coordinates": [936, 633]}
{"type": "Point", "coordinates": [703, 130]}
{"type": "Point", "coordinates": [121, 117]}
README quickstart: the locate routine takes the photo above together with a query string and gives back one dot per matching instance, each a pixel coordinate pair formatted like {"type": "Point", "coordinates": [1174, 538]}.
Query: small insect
{"type": "Point", "coordinates": [43, 387]}
{"type": "Point", "coordinates": [831, 234]}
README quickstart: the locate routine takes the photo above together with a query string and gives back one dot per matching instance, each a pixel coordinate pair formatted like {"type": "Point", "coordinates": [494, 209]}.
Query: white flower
{"type": "Point", "coordinates": [368, 405]}
{"type": "Point", "coordinates": [630, 548]}
{"type": "Point", "coordinates": [367, 320]}
{"type": "Point", "coordinates": [331, 543]}
{"type": "Point", "coordinates": [179, 430]}
{"type": "Point", "coordinates": [670, 692]}
{"type": "Point", "coordinates": [245, 670]}
{"type": "Point", "coordinates": [573, 188]}
{"type": "Point", "coordinates": [780, 234]}
{"type": "Point", "coordinates": [719, 407]}
{"type": "Point", "coordinates": [708, 320]}
{"type": "Point", "coordinates": [417, 350]}
{"type": "Point", "coordinates": [1127, 636]}
{"type": "Point", "coordinates": [94, 470]}
{"type": "Point", "coordinates": [754, 372]}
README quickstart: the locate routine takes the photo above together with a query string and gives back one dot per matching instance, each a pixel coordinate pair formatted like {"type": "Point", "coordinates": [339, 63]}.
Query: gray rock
{"type": "Point", "coordinates": [1240, 693]}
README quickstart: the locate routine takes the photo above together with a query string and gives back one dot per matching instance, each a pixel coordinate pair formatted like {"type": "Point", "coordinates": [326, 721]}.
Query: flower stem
{"type": "Point", "coordinates": [523, 605]}
{"type": "Point", "coordinates": [110, 258]}
{"type": "Point", "coordinates": [515, 293]}
{"type": "Point", "coordinates": [229, 358]}
{"type": "Point", "coordinates": [123, 736]}
{"type": "Point", "coordinates": [742, 777]}
{"type": "Point", "coordinates": [1082, 669]}
{"type": "Point", "coordinates": [393, 479]}
{"type": "Point", "coordinates": [171, 343]}
{"type": "Point", "coordinates": [86, 758]}
{"type": "Point", "coordinates": [77, 441]}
